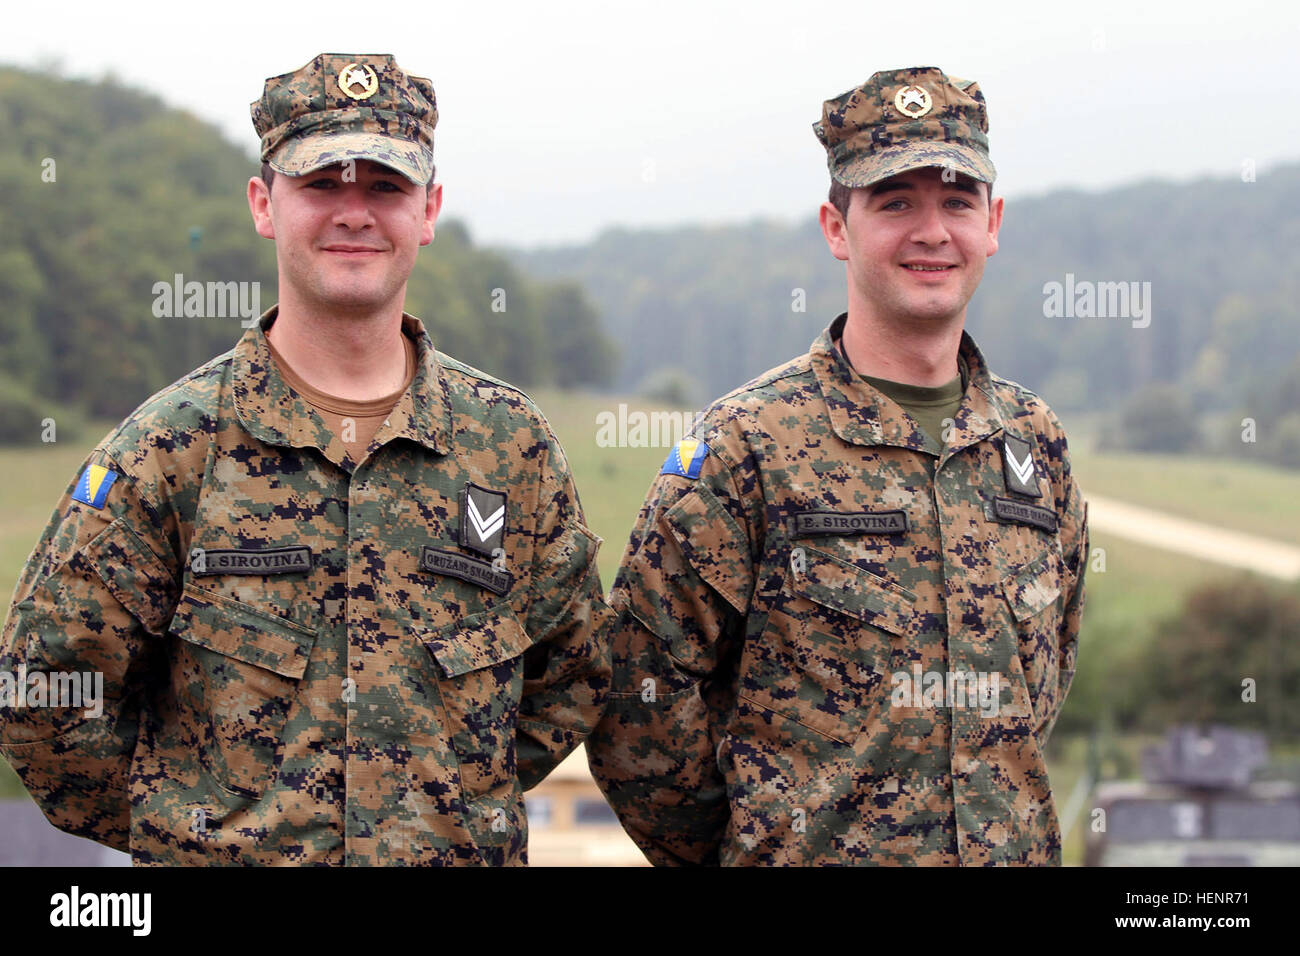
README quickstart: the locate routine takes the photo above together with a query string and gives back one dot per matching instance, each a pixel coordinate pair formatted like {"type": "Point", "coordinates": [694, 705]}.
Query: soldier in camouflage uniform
{"type": "Point", "coordinates": [848, 613]}
{"type": "Point", "coordinates": [333, 630]}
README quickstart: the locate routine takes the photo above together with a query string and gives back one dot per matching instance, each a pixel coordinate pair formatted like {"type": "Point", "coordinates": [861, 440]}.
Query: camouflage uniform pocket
{"type": "Point", "coordinates": [480, 672]}
{"type": "Point", "coordinates": [1032, 594]}
{"type": "Point", "coordinates": [235, 676]}
{"type": "Point", "coordinates": [823, 653]}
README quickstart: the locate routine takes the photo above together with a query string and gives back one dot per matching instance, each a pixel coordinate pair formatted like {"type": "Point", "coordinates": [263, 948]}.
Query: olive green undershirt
{"type": "Point", "coordinates": [929, 406]}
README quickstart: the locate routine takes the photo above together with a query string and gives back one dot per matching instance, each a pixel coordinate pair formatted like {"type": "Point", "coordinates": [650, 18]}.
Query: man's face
{"type": "Point", "coordinates": [915, 246]}
{"type": "Point", "coordinates": [345, 246]}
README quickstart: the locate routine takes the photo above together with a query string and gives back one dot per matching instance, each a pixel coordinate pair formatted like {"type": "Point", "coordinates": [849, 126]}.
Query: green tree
{"type": "Point", "coordinates": [580, 351]}
{"type": "Point", "coordinates": [86, 236]}
{"type": "Point", "coordinates": [1158, 418]}
{"type": "Point", "coordinates": [1227, 633]}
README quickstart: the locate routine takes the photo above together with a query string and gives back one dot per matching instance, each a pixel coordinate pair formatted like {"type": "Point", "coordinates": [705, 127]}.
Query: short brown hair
{"type": "Point", "coordinates": [268, 174]}
{"type": "Point", "coordinates": [840, 194]}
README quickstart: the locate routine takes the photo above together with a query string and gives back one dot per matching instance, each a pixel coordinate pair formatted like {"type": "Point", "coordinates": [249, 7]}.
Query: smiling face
{"type": "Point", "coordinates": [914, 247]}
{"type": "Point", "coordinates": [345, 247]}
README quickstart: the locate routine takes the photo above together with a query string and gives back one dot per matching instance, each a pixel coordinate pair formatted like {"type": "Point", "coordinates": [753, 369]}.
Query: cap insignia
{"type": "Point", "coordinates": [358, 81]}
{"type": "Point", "coordinates": [913, 101]}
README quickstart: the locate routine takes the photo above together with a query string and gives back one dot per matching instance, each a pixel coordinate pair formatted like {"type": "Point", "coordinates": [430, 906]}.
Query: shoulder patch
{"type": "Point", "coordinates": [686, 458]}
{"type": "Point", "coordinates": [92, 486]}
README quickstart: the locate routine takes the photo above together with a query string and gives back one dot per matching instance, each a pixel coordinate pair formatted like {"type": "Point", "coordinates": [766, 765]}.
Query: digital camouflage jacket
{"type": "Point", "coordinates": [805, 575]}
{"type": "Point", "coordinates": [307, 659]}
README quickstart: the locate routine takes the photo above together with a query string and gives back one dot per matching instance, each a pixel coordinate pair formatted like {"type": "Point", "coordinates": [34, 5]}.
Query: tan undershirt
{"type": "Point", "coordinates": [366, 416]}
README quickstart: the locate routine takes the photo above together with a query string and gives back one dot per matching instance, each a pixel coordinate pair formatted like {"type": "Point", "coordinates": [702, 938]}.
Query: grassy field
{"type": "Point", "coordinates": [1239, 493]}
{"type": "Point", "coordinates": [612, 482]}
{"type": "Point", "coordinates": [1138, 587]}
{"type": "Point", "coordinates": [1256, 499]}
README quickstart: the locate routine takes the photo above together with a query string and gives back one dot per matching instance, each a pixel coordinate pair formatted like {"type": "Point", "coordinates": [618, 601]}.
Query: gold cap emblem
{"type": "Point", "coordinates": [358, 81]}
{"type": "Point", "coordinates": [912, 101]}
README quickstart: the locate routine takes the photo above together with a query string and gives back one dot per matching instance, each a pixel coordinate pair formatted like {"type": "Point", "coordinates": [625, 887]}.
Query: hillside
{"type": "Point", "coordinates": [1222, 258]}
{"type": "Point", "coordinates": [108, 192]}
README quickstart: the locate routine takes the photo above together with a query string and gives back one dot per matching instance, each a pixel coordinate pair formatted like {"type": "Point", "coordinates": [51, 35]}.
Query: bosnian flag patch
{"type": "Point", "coordinates": [686, 458]}
{"type": "Point", "coordinates": [92, 486]}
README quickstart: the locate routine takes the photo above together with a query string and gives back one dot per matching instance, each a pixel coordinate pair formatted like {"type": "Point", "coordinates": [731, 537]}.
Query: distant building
{"type": "Point", "coordinates": [1197, 806]}
{"type": "Point", "coordinates": [570, 824]}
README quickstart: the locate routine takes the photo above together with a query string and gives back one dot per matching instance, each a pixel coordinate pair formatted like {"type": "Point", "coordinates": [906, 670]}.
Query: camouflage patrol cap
{"type": "Point", "coordinates": [906, 119]}
{"type": "Point", "coordinates": [343, 106]}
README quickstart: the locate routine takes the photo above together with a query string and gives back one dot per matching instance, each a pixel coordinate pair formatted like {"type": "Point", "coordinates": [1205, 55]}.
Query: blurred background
{"type": "Point", "coordinates": [643, 185]}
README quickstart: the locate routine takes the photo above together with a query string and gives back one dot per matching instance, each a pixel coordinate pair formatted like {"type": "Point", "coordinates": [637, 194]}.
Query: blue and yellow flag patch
{"type": "Point", "coordinates": [686, 458]}
{"type": "Point", "coordinates": [92, 486]}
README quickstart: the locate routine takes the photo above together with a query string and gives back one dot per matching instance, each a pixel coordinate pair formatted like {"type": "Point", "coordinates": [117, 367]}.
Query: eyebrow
{"type": "Point", "coordinates": [962, 183]}
{"type": "Point", "coordinates": [378, 169]}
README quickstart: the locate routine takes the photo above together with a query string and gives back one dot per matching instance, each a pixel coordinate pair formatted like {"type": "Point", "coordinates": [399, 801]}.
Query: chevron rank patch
{"type": "Point", "coordinates": [482, 519]}
{"type": "Point", "coordinates": [92, 486]}
{"type": "Point", "coordinates": [686, 458]}
{"type": "Point", "coordinates": [1018, 466]}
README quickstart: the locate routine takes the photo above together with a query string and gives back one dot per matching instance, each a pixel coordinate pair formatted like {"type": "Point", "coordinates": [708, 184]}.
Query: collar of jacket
{"type": "Point", "coordinates": [861, 415]}
{"type": "Point", "coordinates": [273, 413]}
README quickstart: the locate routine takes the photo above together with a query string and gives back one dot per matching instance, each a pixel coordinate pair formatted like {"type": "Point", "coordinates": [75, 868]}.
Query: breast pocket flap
{"type": "Point", "coordinates": [842, 587]}
{"type": "Point", "coordinates": [477, 641]}
{"type": "Point", "coordinates": [1033, 588]}
{"type": "Point", "coordinates": [242, 632]}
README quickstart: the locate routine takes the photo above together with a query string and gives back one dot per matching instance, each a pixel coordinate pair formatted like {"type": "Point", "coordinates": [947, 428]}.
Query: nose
{"type": "Point", "coordinates": [352, 209]}
{"type": "Point", "coordinates": [928, 226]}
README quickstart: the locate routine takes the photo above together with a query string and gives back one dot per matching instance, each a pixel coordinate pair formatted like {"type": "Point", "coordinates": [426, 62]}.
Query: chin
{"type": "Point", "coordinates": [352, 299]}
{"type": "Point", "coordinates": [932, 313]}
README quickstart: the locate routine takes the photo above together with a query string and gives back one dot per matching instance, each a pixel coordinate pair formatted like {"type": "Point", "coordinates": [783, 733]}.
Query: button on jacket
{"type": "Point", "coordinates": [805, 617]}
{"type": "Point", "coordinates": [307, 659]}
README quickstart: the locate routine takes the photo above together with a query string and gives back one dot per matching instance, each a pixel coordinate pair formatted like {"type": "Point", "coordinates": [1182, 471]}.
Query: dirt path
{"type": "Point", "coordinates": [1159, 530]}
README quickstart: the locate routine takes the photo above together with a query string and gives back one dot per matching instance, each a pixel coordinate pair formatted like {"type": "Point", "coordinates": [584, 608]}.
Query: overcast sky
{"type": "Point", "coordinates": [561, 119]}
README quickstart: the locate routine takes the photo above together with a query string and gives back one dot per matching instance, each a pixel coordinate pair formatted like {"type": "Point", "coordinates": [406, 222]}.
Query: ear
{"type": "Point", "coordinates": [259, 204]}
{"type": "Point", "coordinates": [835, 229]}
{"type": "Point", "coordinates": [995, 223]}
{"type": "Point", "coordinates": [432, 206]}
